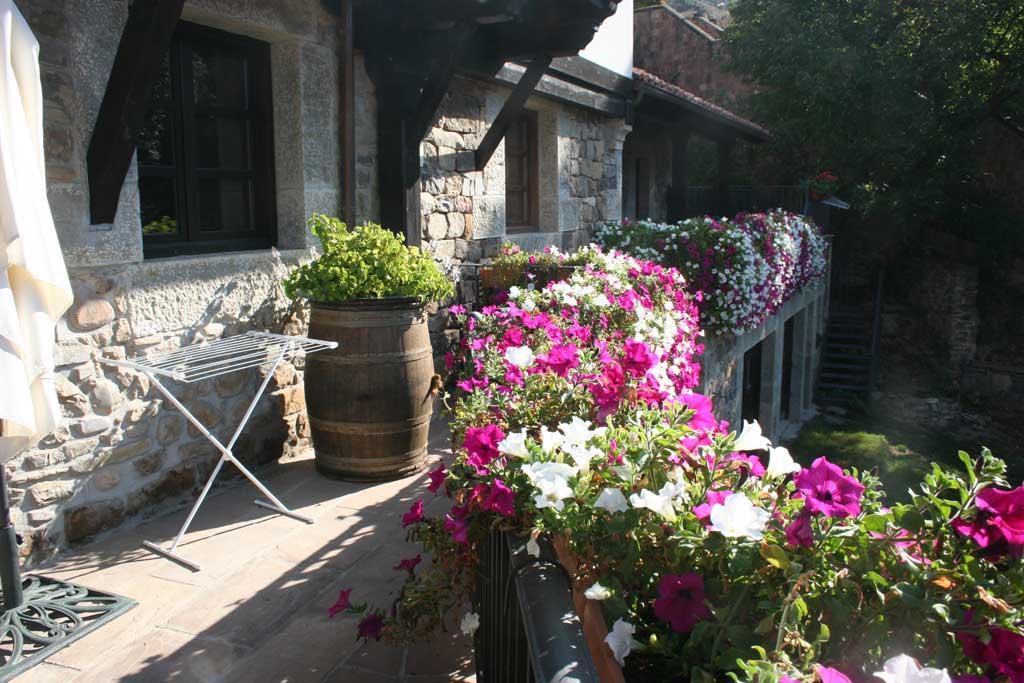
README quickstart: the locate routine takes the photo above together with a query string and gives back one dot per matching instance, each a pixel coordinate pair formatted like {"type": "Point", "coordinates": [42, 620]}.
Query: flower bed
{"type": "Point", "coordinates": [742, 270]}
{"type": "Point", "coordinates": [576, 419]}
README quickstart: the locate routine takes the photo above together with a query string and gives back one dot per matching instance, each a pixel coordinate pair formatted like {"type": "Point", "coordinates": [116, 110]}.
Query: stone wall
{"type": "Point", "coordinates": [121, 452]}
{"type": "Point", "coordinates": [722, 364]}
{"type": "Point", "coordinates": [685, 53]}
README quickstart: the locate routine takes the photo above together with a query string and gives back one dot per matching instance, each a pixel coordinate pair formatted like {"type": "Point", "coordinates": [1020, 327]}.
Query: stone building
{"type": "Point", "coordinates": [247, 130]}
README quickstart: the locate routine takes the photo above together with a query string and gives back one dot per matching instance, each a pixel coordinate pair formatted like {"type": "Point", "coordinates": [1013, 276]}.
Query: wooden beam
{"type": "Point", "coordinates": [453, 43]}
{"type": "Point", "coordinates": [511, 109]}
{"type": "Point", "coordinates": [348, 114]}
{"type": "Point", "coordinates": [144, 43]}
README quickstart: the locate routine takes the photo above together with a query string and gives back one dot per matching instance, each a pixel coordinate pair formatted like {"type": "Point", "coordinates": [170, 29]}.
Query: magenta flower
{"type": "Point", "coordinates": [456, 525]}
{"type": "Point", "coordinates": [560, 359]}
{"type": "Point", "coordinates": [437, 478]}
{"type": "Point", "coordinates": [680, 601]}
{"type": "Point", "coordinates": [703, 511]}
{"type": "Point", "coordinates": [500, 498]}
{"type": "Point", "coordinates": [370, 626]}
{"type": "Point", "coordinates": [1003, 653]}
{"type": "Point", "coordinates": [828, 491]}
{"type": "Point", "coordinates": [800, 532]}
{"type": "Point", "coordinates": [751, 462]}
{"type": "Point", "coordinates": [829, 675]}
{"type": "Point", "coordinates": [482, 444]}
{"type": "Point", "coordinates": [408, 563]}
{"type": "Point", "coordinates": [638, 358]}
{"type": "Point", "coordinates": [342, 604]}
{"type": "Point", "coordinates": [414, 515]}
{"type": "Point", "coordinates": [704, 418]}
{"type": "Point", "coordinates": [999, 524]}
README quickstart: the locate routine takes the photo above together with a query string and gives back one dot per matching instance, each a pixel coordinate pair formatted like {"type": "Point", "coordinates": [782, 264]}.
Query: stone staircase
{"type": "Point", "coordinates": [845, 374]}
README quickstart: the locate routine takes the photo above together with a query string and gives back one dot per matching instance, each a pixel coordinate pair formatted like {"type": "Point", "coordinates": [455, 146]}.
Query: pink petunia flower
{"type": "Point", "coordinates": [829, 675]}
{"type": "Point", "coordinates": [408, 563]}
{"type": "Point", "coordinates": [370, 626]}
{"type": "Point", "coordinates": [1003, 653]}
{"type": "Point", "coordinates": [414, 515]}
{"type": "Point", "coordinates": [342, 604]}
{"type": "Point", "coordinates": [828, 491]}
{"type": "Point", "coordinates": [500, 498]}
{"type": "Point", "coordinates": [482, 444]}
{"type": "Point", "coordinates": [998, 525]}
{"type": "Point", "coordinates": [560, 359]}
{"type": "Point", "coordinates": [437, 478]}
{"type": "Point", "coordinates": [680, 601]}
{"type": "Point", "coordinates": [800, 533]}
{"type": "Point", "coordinates": [638, 359]}
{"type": "Point", "coordinates": [456, 525]}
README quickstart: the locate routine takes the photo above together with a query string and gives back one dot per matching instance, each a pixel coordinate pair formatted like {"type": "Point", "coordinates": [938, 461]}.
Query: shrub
{"type": "Point", "coordinates": [368, 262]}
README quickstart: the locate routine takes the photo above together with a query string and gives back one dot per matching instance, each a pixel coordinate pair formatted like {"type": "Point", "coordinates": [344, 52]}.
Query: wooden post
{"type": "Point", "coordinates": [140, 53]}
{"type": "Point", "coordinates": [676, 209]}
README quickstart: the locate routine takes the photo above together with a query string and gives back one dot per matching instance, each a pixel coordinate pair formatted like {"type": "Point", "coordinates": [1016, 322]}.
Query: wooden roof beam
{"type": "Point", "coordinates": [511, 109]}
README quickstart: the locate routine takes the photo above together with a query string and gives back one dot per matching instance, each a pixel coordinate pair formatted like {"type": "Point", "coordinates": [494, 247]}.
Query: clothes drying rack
{"type": "Point", "coordinates": [207, 360]}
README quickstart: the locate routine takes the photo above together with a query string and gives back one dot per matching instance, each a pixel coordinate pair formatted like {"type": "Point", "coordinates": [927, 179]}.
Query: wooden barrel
{"type": "Point", "coordinates": [369, 400]}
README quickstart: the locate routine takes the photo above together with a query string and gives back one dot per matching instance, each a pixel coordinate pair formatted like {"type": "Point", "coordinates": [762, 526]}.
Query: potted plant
{"type": "Point", "coordinates": [823, 186]}
{"type": "Point", "coordinates": [368, 400]}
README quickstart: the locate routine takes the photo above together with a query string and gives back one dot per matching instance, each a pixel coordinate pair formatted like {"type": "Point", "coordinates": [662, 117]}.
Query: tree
{"type": "Point", "coordinates": [891, 94]}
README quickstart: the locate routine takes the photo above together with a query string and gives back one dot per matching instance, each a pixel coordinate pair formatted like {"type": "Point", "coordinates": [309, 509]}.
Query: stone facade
{"type": "Point", "coordinates": [122, 453]}
{"type": "Point", "coordinates": [687, 52]}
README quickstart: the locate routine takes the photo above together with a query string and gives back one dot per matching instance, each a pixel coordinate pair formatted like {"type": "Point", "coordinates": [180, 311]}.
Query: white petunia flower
{"type": "Point", "coordinates": [750, 439]}
{"type": "Point", "coordinates": [903, 669]}
{"type": "Point", "coordinates": [578, 432]}
{"type": "Point", "coordinates": [514, 292]}
{"type": "Point", "coordinates": [550, 441]}
{"type": "Point", "coordinates": [612, 500]}
{"type": "Point", "coordinates": [598, 592]}
{"type": "Point", "coordinates": [620, 640]}
{"type": "Point", "coordinates": [532, 547]}
{"type": "Point", "coordinates": [737, 517]}
{"type": "Point", "coordinates": [470, 623]}
{"type": "Point", "coordinates": [520, 356]}
{"type": "Point", "coordinates": [780, 463]}
{"type": "Point", "coordinates": [515, 445]}
{"type": "Point", "coordinates": [553, 492]}
{"type": "Point", "coordinates": [539, 471]}
{"type": "Point", "coordinates": [654, 502]}
{"type": "Point", "coordinates": [529, 306]}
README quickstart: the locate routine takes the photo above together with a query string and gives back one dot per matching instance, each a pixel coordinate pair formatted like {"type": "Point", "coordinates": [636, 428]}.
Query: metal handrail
{"type": "Point", "coordinates": [529, 630]}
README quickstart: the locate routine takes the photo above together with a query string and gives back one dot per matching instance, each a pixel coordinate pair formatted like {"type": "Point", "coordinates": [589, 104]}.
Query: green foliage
{"type": "Point", "coordinates": [890, 94]}
{"type": "Point", "coordinates": [368, 262]}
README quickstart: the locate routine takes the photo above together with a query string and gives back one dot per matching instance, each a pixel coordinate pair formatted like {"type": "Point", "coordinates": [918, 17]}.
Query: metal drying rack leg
{"type": "Point", "coordinates": [226, 456]}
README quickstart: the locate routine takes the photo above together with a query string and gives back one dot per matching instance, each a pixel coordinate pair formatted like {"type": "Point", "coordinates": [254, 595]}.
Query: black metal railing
{"type": "Point", "coordinates": [529, 630]}
{"type": "Point", "coordinates": [704, 200]}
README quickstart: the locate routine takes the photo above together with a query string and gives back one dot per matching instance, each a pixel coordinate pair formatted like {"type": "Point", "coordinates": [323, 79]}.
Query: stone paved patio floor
{"type": "Point", "coordinates": [257, 612]}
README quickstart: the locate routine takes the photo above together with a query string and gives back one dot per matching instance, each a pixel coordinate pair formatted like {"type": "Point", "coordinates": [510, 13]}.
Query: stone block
{"type": "Point", "coordinates": [40, 517]}
{"type": "Point", "coordinates": [106, 480]}
{"type": "Point", "coordinates": [447, 138]}
{"type": "Point", "coordinates": [76, 449]}
{"type": "Point", "coordinates": [426, 203]}
{"type": "Point", "coordinates": [465, 161]}
{"type": "Point", "coordinates": [73, 353]}
{"type": "Point", "coordinates": [230, 384]}
{"type": "Point", "coordinates": [91, 315]}
{"type": "Point", "coordinates": [444, 249]}
{"type": "Point", "coordinates": [292, 399]}
{"type": "Point", "coordinates": [456, 225]}
{"type": "Point", "coordinates": [453, 185]}
{"type": "Point", "coordinates": [437, 226]}
{"type": "Point", "coordinates": [462, 204]}
{"type": "Point", "coordinates": [105, 396]}
{"type": "Point", "coordinates": [127, 451]}
{"type": "Point", "coordinates": [82, 372]}
{"type": "Point", "coordinates": [46, 492]}
{"type": "Point", "coordinates": [148, 464]}
{"type": "Point", "coordinates": [88, 520]}
{"type": "Point", "coordinates": [207, 415]}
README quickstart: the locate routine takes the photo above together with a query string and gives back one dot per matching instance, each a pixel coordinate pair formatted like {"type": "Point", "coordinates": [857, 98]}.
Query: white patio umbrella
{"type": "Point", "coordinates": [34, 287]}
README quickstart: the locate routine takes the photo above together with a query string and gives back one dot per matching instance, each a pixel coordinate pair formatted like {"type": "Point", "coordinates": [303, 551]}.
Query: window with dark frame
{"type": "Point", "coordinates": [521, 210]}
{"type": "Point", "coordinates": [206, 154]}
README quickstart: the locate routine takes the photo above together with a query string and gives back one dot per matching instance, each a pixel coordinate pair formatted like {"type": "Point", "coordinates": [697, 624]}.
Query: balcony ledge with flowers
{"type": "Point", "coordinates": [710, 553]}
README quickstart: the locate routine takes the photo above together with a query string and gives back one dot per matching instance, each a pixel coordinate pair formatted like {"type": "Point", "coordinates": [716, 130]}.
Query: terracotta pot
{"type": "Point", "coordinates": [589, 612]}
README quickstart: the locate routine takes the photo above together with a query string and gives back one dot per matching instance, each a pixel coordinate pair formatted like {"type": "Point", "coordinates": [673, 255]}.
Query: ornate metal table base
{"type": "Point", "coordinates": [53, 615]}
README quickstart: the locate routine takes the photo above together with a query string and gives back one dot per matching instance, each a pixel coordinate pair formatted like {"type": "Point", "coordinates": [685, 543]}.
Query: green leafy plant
{"type": "Point", "coordinates": [367, 262]}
